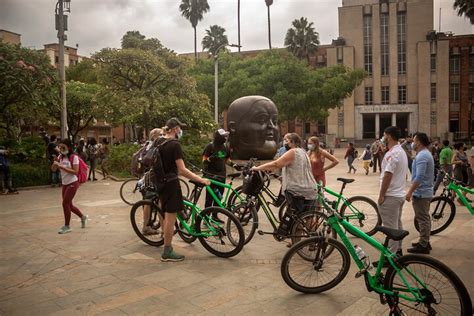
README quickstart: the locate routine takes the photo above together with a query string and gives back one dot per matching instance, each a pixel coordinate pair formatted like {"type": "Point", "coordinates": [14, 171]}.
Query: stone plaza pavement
{"type": "Point", "coordinates": [105, 269]}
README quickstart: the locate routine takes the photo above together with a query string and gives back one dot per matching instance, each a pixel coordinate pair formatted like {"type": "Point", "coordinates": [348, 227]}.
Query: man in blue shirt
{"type": "Point", "coordinates": [421, 191]}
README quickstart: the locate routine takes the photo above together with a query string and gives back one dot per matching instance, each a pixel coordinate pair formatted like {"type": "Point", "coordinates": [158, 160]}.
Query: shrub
{"type": "Point", "coordinates": [25, 174]}
{"type": "Point", "coordinates": [120, 158]}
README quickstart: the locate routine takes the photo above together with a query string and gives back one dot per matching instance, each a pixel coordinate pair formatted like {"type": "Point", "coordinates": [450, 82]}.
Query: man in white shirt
{"type": "Point", "coordinates": [392, 184]}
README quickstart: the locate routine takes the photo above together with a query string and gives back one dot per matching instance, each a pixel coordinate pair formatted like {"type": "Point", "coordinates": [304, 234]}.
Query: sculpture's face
{"type": "Point", "coordinates": [255, 130]}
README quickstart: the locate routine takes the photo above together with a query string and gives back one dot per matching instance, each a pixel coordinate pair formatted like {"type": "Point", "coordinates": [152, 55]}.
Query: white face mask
{"type": "Point", "coordinates": [180, 134]}
{"type": "Point", "coordinates": [311, 146]}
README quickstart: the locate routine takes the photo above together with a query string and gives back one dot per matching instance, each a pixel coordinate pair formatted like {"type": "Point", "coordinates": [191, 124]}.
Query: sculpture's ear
{"type": "Point", "coordinates": [232, 126]}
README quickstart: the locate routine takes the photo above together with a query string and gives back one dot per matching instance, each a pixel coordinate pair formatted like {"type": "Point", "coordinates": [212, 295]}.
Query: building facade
{"type": "Point", "coordinates": [70, 55]}
{"type": "Point", "coordinates": [388, 39]}
{"type": "Point", "coordinates": [10, 37]}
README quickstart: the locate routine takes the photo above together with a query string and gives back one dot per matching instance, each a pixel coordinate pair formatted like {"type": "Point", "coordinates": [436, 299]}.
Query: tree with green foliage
{"type": "Point", "coordinates": [148, 87]}
{"type": "Point", "coordinates": [214, 39]}
{"type": "Point", "coordinates": [85, 72]}
{"type": "Point", "coordinates": [297, 90]}
{"type": "Point", "coordinates": [28, 89]}
{"type": "Point", "coordinates": [82, 106]}
{"type": "Point", "coordinates": [466, 8]}
{"type": "Point", "coordinates": [193, 10]}
{"type": "Point", "coordinates": [301, 39]}
{"type": "Point", "coordinates": [133, 39]}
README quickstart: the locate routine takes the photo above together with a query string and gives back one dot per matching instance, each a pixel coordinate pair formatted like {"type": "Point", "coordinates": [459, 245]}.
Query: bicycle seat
{"type": "Point", "coordinates": [198, 184]}
{"type": "Point", "coordinates": [345, 181]}
{"type": "Point", "coordinates": [234, 175]}
{"type": "Point", "coordinates": [394, 234]}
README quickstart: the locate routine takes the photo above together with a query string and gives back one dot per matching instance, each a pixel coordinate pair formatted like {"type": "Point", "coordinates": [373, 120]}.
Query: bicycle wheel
{"type": "Point", "coordinates": [237, 197]}
{"type": "Point", "coordinates": [184, 188]}
{"type": "Point", "coordinates": [224, 236]}
{"type": "Point", "coordinates": [154, 237]}
{"type": "Point", "coordinates": [444, 292]}
{"type": "Point", "coordinates": [129, 192]}
{"type": "Point", "coordinates": [182, 232]}
{"type": "Point", "coordinates": [321, 272]}
{"type": "Point", "coordinates": [248, 218]}
{"type": "Point", "coordinates": [442, 211]}
{"type": "Point", "coordinates": [310, 224]}
{"type": "Point", "coordinates": [366, 211]}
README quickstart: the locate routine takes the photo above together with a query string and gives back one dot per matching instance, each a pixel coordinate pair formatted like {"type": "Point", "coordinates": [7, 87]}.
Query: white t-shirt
{"type": "Point", "coordinates": [395, 161]}
{"type": "Point", "coordinates": [68, 178]}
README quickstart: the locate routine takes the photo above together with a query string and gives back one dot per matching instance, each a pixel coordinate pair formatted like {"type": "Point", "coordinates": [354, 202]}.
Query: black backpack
{"type": "Point", "coordinates": [153, 158]}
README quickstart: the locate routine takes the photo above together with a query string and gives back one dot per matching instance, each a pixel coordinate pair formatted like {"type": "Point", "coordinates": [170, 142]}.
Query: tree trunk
{"type": "Point", "coordinates": [195, 43]}
{"type": "Point", "coordinates": [238, 22]}
{"type": "Point", "coordinates": [269, 31]}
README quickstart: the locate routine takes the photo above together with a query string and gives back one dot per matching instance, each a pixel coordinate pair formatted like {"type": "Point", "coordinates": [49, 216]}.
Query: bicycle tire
{"type": "Point", "coordinates": [248, 218]}
{"type": "Point", "coordinates": [370, 212]}
{"type": "Point", "coordinates": [313, 221]}
{"type": "Point", "coordinates": [130, 196]}
{"type": "Point", "coordinates": [184, 188]}
{"type": "Point", "coordinates": [442, 205]}
{"type": "Point", "coordinates": [339, 253]}
{"type": "Point", "coordinates": [232, 200]}
{"type": "Point", "coordinates": [234, 235]}
{"type": "Point", "coordinates": [433, 270]}
{"type": "Point", "coordinates": [137, 209]}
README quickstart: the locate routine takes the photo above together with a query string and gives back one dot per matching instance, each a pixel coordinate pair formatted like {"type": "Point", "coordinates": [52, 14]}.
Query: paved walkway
{"type": "Point", "coordinates": [105, 269]}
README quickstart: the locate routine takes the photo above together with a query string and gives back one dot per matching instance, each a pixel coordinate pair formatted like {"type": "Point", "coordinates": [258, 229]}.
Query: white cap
{"type": "Point", "coordinates": [222, 132]}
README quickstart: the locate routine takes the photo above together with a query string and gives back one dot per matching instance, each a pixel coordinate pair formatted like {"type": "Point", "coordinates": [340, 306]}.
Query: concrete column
{"type": "Point", "coordinates": [394, 119]}
{"type": "Point", "coordinates": [377, 125]}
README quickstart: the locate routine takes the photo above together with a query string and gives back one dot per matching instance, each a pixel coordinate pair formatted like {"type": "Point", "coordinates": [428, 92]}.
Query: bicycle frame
{"type": "Point", "coordinates": [459, 189]}
{"type": "Point", "coordinates": [227, 190]}
{"type": "Point", "coordinates": [268, 212]}
{"type": "Point", "coordinates": [373, 281]}
{"type": "Point", "coordinates": [340, 198]}
{"type": "Point", "coordinates": [195, 210]}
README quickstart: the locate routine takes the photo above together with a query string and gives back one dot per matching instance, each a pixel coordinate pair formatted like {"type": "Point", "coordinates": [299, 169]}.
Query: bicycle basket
{"type": "Point", "coordinates": [253, 184]}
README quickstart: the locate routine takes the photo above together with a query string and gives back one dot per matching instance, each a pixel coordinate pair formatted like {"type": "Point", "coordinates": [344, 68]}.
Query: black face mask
{"type": "Point", "coordinates": [287, 147]}
{"type": "Point", "coordinates": [464, 148]}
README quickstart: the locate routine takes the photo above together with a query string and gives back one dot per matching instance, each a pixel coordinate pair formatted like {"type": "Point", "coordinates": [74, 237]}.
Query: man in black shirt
{"type": "Point", "coordinates": [171, 196]}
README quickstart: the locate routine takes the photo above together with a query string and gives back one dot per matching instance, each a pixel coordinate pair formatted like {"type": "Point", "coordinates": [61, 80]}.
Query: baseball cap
{"type": "Point", "coordinates": [173, 122]}
{"type": "Point", "coordinates": [223, 132]}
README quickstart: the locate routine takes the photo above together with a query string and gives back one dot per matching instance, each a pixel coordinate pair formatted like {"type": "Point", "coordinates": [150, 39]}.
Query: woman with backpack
{"type": "Point", "coordinates": [68, 165]}
{"type": "Point", "coordinates": [351, 154]}
{"type": "Point", "coordinates": [92, 154]}
{"type": "Point", "coordinates": [366, 158]}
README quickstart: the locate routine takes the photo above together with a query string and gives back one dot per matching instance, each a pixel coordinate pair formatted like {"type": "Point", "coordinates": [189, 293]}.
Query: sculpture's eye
{"type": "Point", "coordinates": [261, 119]}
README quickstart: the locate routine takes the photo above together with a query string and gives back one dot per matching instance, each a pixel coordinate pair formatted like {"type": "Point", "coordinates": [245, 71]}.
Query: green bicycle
{"type": "Point", "coordinates": [412, 284]}
{"type": "Point", "coordinates": [443, 209]}
{"type": "Point", "coordinates": [217, 229]}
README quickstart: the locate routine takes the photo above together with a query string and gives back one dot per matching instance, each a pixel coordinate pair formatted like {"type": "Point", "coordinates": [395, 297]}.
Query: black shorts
{"type": "Point", "coordinates": [171, 197]}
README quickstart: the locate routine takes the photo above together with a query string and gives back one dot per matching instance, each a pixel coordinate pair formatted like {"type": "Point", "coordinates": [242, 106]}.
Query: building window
{"type": "Point", "coordinates": [402, 94]}
{"type": "Point", "coordinates": [454, 93]}
{"type": "Point", "coordinates": [433, 92]}
{"type": "Point", "coordinates": [368, 96]}
{"type": "Point", "coordinates": [56, 59]}
{"type": "Point", "coordinates": [471, 63]}
{"type": "Point", "coordinates": [368, 44]}
{"type": "Point", "coordinates": [401, 43]}
{"type": "Point", "coordinates": [385, 95]}
{"type": "Point", "coordinates": [454, 64]}
{"type": "Point", "coordinates": [433, 62]}
{"type": "Point", "coordinates": [384, 49]}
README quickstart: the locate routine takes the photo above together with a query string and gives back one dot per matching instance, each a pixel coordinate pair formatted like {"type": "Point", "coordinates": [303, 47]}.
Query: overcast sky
{"type": "Point", "coordinates": [94, 24]}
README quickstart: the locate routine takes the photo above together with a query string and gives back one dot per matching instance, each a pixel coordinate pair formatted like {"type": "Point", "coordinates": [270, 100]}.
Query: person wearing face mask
{"type": "Point", "coordinates": [317, 156]}
{"type": "Point", "coordinates": [171, 197]}
{"type": "Point", "coordinates": [70, 183]}
{"type": "Point", "coordinates": [214, 158]}
{"type": "Point", "coordinates": [298, 183]}
{"type": "Point", "coordinates": [461, 164]}
{"type": "Point", "coordinates": [407, 146]}
{"type": "Point", "coordinates": [377, 149]}
{"type": "Point", "coordinates": [421, 191]}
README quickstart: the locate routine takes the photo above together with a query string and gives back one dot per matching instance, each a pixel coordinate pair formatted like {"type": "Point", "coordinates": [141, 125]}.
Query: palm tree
{"type": "Point", "coordinates": [466, 8]}
{"type": "Point", "coordinates": [193, 10]}
{"type": "Point", "coordinates": [269, 3]}
{"type": "Point", "coordinates": [214, 39]}
{"type": "Point", "coordinates": [238, 23]}
{"type": "Point", "coordinates": [301, 39]}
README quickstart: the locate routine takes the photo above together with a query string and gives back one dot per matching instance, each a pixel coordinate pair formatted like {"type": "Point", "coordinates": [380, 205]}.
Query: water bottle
{"type": "Point", "coordinates": [218, 193]}
{"type": "Point", "coordinates": [363, 257]}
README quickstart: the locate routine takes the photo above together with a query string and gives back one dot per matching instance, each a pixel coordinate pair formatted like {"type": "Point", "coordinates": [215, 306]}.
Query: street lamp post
{"type": "Point", "coordinates": [216, 80]}
{"type": "Point", "coordinates": [61, 26]}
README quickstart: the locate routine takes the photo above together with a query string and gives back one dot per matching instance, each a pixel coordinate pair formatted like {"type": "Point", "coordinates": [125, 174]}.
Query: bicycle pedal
{"type": "Point", "coordinates": [360, 273]}
{"type": "Point", "coordinates": [261, 233]}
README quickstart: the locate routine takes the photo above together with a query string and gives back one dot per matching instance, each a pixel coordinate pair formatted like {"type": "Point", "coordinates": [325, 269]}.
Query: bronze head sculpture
{"type": "Point", "coordinates": [252, 122]}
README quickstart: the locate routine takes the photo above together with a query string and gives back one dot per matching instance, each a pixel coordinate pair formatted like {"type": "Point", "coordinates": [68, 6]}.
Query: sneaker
{"type": "Point", "coordinates": [171, 256]}
{"type": "Point", "coordinates": [149, 231]}
{"type": "Point", "coordinates": [416, 244]}
{"type": "Point", "coordinates": [64, 230]}
{"type": "Point", "coordinates": [419, 249]}
{"type": "Point", "coordinates": [84, 220]}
